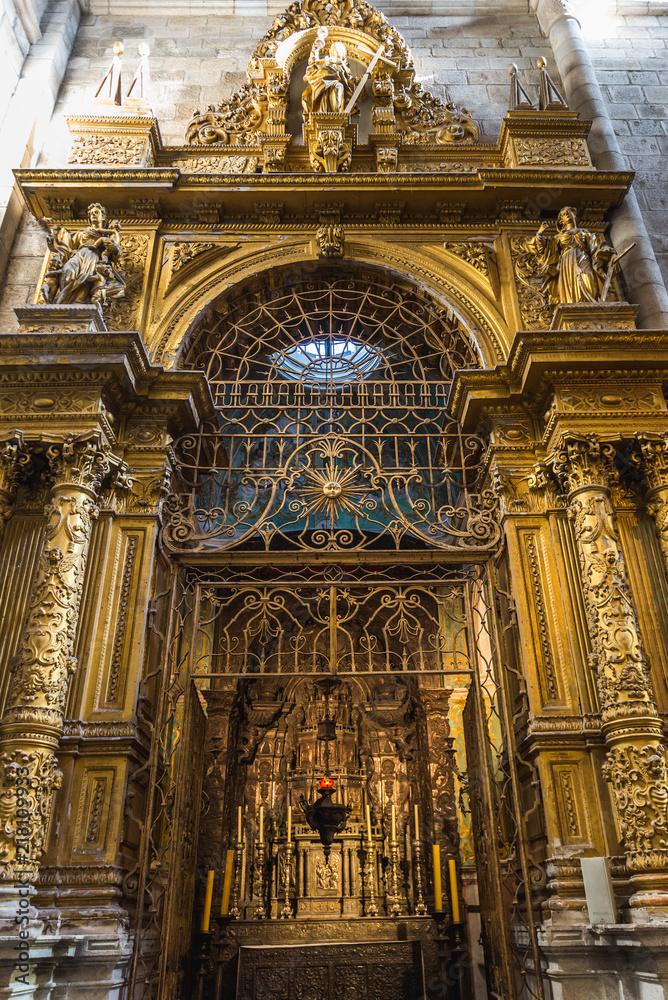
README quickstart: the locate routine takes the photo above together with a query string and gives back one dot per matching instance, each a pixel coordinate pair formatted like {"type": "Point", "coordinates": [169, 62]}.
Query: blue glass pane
{"type": "Point", "coordinates": [327, 360]}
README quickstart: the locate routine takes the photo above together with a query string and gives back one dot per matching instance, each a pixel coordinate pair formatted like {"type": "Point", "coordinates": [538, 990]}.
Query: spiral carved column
{"type": "Point", "coordinates": [636, 759]}
{"type": "Point", "coordinates": [40, 674]}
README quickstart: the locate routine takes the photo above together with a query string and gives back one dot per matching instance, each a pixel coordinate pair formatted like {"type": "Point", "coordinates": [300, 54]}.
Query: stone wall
{"type": "Point", "coordinates": [630, 55]}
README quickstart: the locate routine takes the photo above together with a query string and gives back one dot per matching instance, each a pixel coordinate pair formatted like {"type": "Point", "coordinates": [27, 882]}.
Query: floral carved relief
{"type": "Point", "coordinates": [639, 779]}
{"type": "Point", "coordinates": [29, 781]}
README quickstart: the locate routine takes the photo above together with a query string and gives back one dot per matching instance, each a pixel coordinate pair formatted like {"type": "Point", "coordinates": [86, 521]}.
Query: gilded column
{"type": "Point", "coordinates": [636, 760]}
{"type": "Point", "coordinates": [40, 674]}
{"type": "Point", "coordinates": [653, 460]}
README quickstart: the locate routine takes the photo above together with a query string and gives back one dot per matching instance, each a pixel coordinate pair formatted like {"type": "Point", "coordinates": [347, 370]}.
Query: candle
{"type": "Point", "coordinates": [289, 823]}
{"type": "Point", "coordinates": [394, 823]}
{"type": "Point", "coordinates": [206, 916]}
{"type": "Point", "coordinates": [227, 883]}
{"type": "Point", "coordinates": [239, 830]}
{"type": "Point", "coordinates": [438, 888]}
{"type": "Point", "coordinates": [368, 823]}
{"type": "Point", "coordinates": [260, 838]}
{"type": "Point", "coordinates": [417, 824]}
{"type": "Point", "coordinates": [454, 895]}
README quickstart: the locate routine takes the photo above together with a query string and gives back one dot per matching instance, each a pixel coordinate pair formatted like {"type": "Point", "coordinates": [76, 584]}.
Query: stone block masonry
{"type": "Point", "coordinates": [631, 60]}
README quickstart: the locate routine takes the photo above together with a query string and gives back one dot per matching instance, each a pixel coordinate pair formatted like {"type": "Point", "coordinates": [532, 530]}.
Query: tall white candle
{"type": "Point", "coordinates": [239, 829]}
{"type": "Point", "coordinates": [368, 823]}
{"type": "Point", "coordinates": [260, 838]}
{"type": "Point", "coordinates": [289, 823]}
{"type": "Point", "coordinates": [417, 824]}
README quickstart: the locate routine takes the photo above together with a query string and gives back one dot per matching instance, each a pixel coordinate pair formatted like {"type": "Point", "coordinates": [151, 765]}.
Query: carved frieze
{"type": "Point", "coordinates": [218, 164]}
{"type": "Point", "coordinates": [550, 152]}
{"type": "Point", "coordinates": [121, 150]}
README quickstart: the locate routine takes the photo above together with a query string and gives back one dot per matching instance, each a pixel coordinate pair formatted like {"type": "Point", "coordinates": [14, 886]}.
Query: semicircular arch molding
{"type": "Point", "coordinates": [465, 297]}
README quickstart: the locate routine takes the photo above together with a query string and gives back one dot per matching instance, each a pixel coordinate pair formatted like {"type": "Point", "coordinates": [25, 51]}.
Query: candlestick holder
{"type": "Point", "coordinates": [203, 963]}
{"type": "Point", "coordinates": [420, 905]}
{"type": "Point", "coordinates": [235, 913]}
{"type": "Point", "coordinates": [286, 912]}
{"type": "Point", "coordinates": [371, 908]}
{"type": "Point", "coordinates": [395, 908]}
{"type": "Point", "coordinates": [258, 883]}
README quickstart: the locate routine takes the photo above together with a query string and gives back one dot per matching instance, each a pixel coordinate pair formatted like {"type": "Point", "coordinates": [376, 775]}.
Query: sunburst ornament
{"type": "Point", "coordinates": [331, 490]}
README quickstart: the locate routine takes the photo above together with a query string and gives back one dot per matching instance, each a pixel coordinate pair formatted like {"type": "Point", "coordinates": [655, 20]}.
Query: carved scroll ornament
{"type": "Point", "coordinates": [15, 462]}
{"type": "Point", "coordinates": [639, 779]}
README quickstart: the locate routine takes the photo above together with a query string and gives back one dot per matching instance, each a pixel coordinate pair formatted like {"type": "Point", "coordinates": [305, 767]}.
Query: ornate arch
{"type": "Point", "coordinates": [460, 289]}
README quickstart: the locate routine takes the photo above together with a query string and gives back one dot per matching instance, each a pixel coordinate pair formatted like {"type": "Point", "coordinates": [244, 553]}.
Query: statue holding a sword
{"type": "Point", "coordinates": [574, 265]}
{"type": "Point", "coordinates": [331, 85]}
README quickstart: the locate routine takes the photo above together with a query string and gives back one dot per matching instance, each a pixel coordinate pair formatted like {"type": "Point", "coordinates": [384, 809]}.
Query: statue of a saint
{"type": "Point", "coordinates": [572, 263]}
{"type": "Point", "coordinates": [330, 82]}
{"type": "Point", "coordinates": [83, 266]}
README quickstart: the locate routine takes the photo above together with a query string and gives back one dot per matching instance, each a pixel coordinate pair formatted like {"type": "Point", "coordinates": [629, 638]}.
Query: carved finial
{"type": "Point", "coordinates": [137, 95]}
{"type": "Point", "coordinates": [519, 99]}
{"type": "Point", "coordinates": [551, 98]}
{"type": "Point", "coordinates": [109, 91]}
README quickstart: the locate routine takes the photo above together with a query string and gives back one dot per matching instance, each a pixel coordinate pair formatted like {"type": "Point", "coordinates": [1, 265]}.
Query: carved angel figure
{"type": "Point", "coordinates": [84, 264]}
{"type": "Point", "coordinates": [330, 82]}
{"type": "Point", "coordinates": [572, 263]}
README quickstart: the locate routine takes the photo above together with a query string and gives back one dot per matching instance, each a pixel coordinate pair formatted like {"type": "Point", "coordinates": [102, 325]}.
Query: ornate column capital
{"type": "Point", "coordinates": [652, 458]}
{"type": "Point", "coordinates": [15, 463]}
{"type": "Point", "coordinates": [584, 461]}
{"type": "Point", "coordinates": [80, 461]}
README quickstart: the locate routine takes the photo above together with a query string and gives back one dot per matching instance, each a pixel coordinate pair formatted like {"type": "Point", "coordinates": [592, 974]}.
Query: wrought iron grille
{"type": "Point", "coordinates": [332, 628]}
{"type": "Point", "coordinates": [331, 430]}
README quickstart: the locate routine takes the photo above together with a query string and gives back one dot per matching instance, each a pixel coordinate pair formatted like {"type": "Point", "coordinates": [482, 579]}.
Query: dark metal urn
{"type": "Point", "coordinates": [326, 817]}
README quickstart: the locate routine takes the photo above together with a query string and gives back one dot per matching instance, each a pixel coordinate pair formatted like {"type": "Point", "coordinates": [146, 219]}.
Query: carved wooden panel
{"type": "Point", "coordinates": [361, 971]}
{"type": "Point", "coordinates": [95, 800]}
{"type": "Point", "coordinates": [570, 790]}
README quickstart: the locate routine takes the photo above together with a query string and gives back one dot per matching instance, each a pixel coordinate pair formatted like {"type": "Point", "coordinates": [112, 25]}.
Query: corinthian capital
{"type": "Point", "coordinates": [584, 460]}
{"type": "Point", "coordinates": [652, 457]}
{"type": "Point", "coordinates": [15, 463]}
{"type": "Point", "coordinates": [80, 460]}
